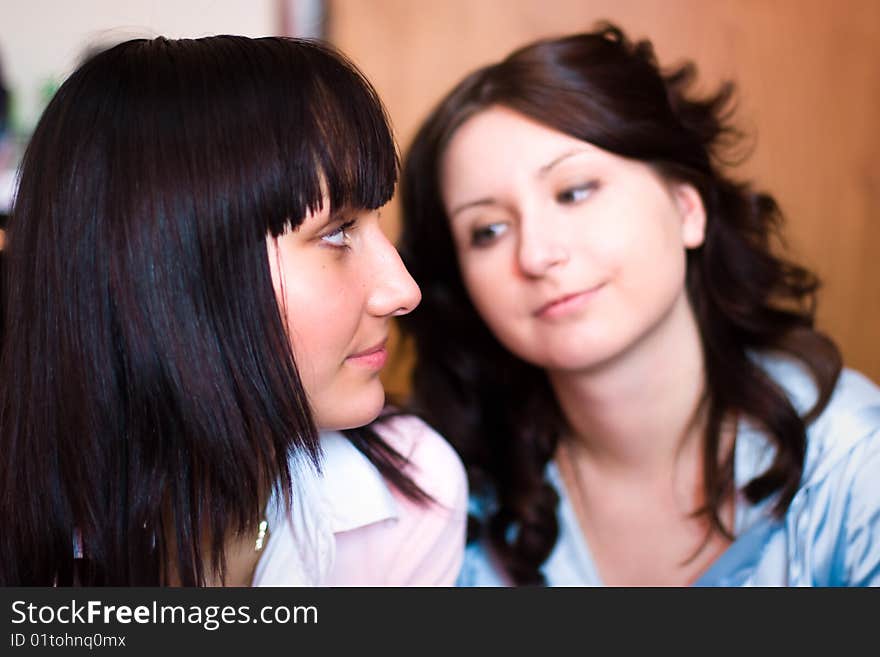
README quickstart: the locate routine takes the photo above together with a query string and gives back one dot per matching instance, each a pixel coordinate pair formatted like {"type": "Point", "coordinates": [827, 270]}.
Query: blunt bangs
{"type": "Point", "coordinates": [294, 119]}
{"type": "Point", "coordinates": [149, 357]}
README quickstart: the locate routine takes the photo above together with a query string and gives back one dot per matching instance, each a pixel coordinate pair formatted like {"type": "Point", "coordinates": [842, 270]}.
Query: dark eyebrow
{"type": "Point", "coordinates": [544, 170]}
{"type": "Point", "coordinates": [472, 204]}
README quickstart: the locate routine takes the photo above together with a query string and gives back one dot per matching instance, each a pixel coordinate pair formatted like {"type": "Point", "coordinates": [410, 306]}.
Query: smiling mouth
{"type": "Point", "coordinates": [566, 304]}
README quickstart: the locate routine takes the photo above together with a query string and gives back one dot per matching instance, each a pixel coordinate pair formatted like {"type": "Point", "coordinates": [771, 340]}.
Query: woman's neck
{"type": "Point", "coordinates": [638, 413]}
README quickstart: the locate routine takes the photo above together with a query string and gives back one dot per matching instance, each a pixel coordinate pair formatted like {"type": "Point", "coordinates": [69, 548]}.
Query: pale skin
{"type": "Point", "coordinates": [575, 259]}
{"type": "Point", "coordinates": [339, 282]}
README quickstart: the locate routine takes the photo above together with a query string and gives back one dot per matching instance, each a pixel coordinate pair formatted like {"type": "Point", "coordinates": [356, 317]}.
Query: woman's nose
{"type": "Point", "coordinates": [394, 292]}
{"type": "Point", "coordinates": [539, 249]}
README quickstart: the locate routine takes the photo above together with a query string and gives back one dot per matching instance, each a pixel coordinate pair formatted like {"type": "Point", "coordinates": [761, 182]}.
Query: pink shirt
{"type": "Point", "coordinates": [384, 539]}
{"type": "Point", "coordinates": [349, 527]}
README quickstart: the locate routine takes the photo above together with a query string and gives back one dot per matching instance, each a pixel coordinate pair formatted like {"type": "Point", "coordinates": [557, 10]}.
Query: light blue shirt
{"type": "Point", "coordinates": [830, 535]}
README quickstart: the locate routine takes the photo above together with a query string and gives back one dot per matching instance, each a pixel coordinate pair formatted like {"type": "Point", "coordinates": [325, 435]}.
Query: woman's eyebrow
{"type": "Point", "coordinates": [545, 169]}
{"type": "Point", "coordinates": [542, 171]}
{"type": "Point", "coordinates": [472, 204]}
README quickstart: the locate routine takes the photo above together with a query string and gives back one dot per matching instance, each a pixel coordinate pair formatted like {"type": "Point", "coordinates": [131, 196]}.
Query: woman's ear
{"type": "Point", "coordinates": [692, 212]}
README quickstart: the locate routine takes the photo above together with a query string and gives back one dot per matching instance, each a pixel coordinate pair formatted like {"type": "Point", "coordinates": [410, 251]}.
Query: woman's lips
{"type": "Point", "coordinates": [373, 358]}
{"type": "Point", "coordinates": [566, 304]}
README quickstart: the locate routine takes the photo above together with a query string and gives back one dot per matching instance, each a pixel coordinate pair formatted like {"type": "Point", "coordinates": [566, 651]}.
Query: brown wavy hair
{"type": "Point", "coordinates": [500, 412]}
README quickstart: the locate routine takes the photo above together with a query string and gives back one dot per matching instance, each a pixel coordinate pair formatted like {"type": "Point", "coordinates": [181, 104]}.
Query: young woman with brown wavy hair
{"type": "Point", "coordinates": [629, 371]}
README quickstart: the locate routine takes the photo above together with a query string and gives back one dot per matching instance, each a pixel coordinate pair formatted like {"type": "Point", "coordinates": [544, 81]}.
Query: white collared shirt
{"type": "Point", "coordinates": [348, 527]}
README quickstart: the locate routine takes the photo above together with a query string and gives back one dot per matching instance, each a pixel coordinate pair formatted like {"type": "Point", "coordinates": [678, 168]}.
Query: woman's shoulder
{"type": "Point", "coordinates": [851, 416]}
{"type": "Point", "coordinates": [432, 462]}
{"type": "Point", "coordinates": [394, 540]}
{"type": "Point", "coordinates": [852, 413]}
{"type": "Point", "coordinates": [840, 441]}
{"type": "Point", "coordinates": [425, 544]}
{"type": "Point", "coordinates": [852, 390]}
{"type": "Point", "coordinates": [833, 521]}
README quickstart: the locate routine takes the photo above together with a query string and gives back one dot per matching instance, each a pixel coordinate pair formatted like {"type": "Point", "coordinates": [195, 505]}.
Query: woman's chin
{"type": "Point", "coordinates": [352, 412]}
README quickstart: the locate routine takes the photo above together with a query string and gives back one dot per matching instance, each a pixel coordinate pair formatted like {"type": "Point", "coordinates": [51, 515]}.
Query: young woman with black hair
{"type": "Point", "coordinates": [629, 371]}
{"type": "Point", "coordinates": [198, 297]}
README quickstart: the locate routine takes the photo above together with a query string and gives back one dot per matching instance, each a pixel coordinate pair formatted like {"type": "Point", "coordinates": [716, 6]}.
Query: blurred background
{"type": "Point", "coordinates": [808, 73]}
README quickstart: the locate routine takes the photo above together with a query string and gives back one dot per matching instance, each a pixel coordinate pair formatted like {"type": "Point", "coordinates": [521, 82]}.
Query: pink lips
{"type": "Point", "coordinates": [373, 358]}
{"type": "Point", "coordinates": [566, 304]}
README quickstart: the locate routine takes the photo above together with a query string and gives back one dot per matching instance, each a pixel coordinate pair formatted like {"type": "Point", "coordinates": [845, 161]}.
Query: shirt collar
{"type": "Point", "coordinates": [355, 491]}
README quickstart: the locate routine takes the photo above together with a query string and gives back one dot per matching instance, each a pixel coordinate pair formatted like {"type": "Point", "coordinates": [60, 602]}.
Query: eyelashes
{"type": "Point", "coordinates": [340, 237]}
{"type": "Point", "coordinates": [577, 193]}
{"type": "Point", "coordinates": [486, 234]}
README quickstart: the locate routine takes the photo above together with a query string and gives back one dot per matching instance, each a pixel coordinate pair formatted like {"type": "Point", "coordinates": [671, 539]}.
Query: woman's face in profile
{"type": "Point", "coordinates": [338, 281]}
{"type": "Point", "coordinates": [572, 255]}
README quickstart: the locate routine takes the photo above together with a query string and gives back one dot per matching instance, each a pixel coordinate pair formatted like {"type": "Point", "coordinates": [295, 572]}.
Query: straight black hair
{"type": "Point", "coordinates": [149, 400]}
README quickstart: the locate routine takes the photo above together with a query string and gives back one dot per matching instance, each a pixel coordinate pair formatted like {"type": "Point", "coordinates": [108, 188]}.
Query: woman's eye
{"type": "Point", "coordinates": [485, 235]}
{"type": "Point", "coordinates": [340, 237]}
{"type": "Point", "coordinates": [577, 193]}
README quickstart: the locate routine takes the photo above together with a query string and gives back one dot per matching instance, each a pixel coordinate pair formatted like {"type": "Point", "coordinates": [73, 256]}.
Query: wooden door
{"type": "Point", "coordinates": [809, 80]}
